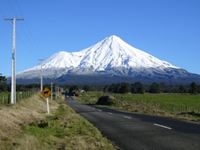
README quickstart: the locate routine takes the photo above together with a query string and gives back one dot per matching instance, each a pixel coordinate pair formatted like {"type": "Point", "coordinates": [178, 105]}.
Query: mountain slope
{"type": "Point", "coordinates": [111, 56]}
{"type": "Point", "coordinates": [114, 52]}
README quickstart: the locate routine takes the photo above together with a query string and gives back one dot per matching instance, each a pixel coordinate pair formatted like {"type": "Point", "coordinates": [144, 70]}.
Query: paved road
{"type": "Point", "coordinates": [130, 131]}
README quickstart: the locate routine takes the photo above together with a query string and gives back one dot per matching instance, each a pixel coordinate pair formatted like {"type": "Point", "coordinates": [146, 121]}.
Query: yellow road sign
{"type": "Point", "coordinates": [46, 92]}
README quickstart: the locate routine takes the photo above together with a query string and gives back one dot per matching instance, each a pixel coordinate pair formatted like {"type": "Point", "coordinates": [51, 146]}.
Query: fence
{"type": "Point", "coordinates": [5, 97]}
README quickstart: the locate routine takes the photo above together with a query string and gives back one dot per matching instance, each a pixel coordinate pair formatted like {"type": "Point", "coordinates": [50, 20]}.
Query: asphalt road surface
{"type": "Point", "coordinates": [131, 131]}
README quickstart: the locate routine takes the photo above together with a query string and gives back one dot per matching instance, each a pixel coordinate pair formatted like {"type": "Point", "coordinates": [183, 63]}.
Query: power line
{"type": "Point", "coordinates": [41, 74]}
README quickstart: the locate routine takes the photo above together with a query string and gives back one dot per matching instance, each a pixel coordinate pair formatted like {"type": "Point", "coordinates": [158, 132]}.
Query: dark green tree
{"type": "Point", "coordinates": [162, 87]}
{"type": "Point", "coordinates": [154, 88]}
{"type": "Point", "coordinates": [137, 87]}
{"type": "Point", "coordinates": [74, 90]}
{"type": "Point", "coordinates": [3, 84]}
{"type": "Point", "coordinates": [124, 88]}
{"type": "Point", "coordinates": [182, 89]}
{"type": "Point", "coordinates": [105, 89]}
{"type": "Point", "coordinates": [198, 88]}
{"type": "Point", "coordinates": [2, 78]}
{"type": "Point", "coordinates": [86, 88]}
{"type": "Point", "coordinates": [113, 88]}
{"type": "Point", "coordinates": [193, 88]}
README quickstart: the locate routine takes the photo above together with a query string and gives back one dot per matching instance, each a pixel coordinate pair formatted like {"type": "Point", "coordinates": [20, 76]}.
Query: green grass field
{"type": "Point", "coordinates": [167, 102]}
{"type": "Point", "coordinates": [164, 104]}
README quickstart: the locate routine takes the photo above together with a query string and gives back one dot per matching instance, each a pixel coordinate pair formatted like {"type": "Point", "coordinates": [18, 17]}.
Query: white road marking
{"type": "Point", "coordinates": [162, 126]}
{"type": "Point", "coordinates": [127, 117]}
{"type": "Point", "coordinates": [99, 110]}
{"type": "Point", "coordinates": [110, 113]}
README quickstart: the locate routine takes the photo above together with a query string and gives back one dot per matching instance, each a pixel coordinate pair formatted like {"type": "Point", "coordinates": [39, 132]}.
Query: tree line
{"type": "Point", "coordinates": [137, 87]}
{"type": "Point", "coordinates": [124, 87]}
{"type": "Point", "coordinates": [154, 87]}
{"type": "Point", "coordinates": [4, 87]}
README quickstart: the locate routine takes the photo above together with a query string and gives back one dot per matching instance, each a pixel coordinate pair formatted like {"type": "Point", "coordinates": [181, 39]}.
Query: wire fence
{"type": "Point", "coordinates": [5, 97]}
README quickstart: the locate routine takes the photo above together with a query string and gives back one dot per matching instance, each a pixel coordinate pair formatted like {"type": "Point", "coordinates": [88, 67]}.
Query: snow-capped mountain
{"type": "Point", "coordinates": [111, 56]}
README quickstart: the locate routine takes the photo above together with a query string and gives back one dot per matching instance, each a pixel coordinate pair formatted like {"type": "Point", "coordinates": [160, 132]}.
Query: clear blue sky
{"type": "Point", "coordinates": [167, 29]}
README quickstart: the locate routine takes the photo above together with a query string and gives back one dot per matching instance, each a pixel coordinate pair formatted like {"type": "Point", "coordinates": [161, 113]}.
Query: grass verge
{"type": "Point", "coordinates": [27, 126]}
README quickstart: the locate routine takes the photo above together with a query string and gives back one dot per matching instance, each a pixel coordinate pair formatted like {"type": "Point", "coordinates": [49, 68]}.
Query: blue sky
{"type": "Point", "coordinates": [167, 29]}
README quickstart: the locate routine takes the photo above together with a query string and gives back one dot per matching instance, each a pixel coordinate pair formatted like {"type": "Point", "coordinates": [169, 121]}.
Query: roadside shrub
{"type": "Point", "coordinates": [105, 100]}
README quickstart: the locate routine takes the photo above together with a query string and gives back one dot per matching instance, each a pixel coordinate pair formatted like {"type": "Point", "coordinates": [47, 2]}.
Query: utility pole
{"type": "Point", "coordinates": [41, 80]}
{"type": "Point", "coordinates": [56, 94]}
{"type": "Point", "coordinates": [51, 91]}
{"type": "Point", "coordinates": [41, 76]}
{"type": "Point", "coordinates": [56, 90]}
{"type": "Point", "coordinates": [13, 80]}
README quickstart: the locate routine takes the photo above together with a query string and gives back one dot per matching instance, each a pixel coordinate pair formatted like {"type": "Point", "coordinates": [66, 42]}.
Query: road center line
{"type": "Point", "coordinates": [127, 117]}
{"type": "Point", "coordinates": [162, 126]}
{"type": "Point", "coordinates": [110, 113]}
{"type": "Point", "coordinates": [99, 110]}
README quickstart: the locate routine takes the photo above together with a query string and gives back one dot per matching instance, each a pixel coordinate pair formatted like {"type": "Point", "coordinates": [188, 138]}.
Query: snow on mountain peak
{"type": "Point", "coordinates": [111, 52]}
{"type": "Point", "coordinates": [114, 52]}
{"type": "Point", "coordinates": [113, 38]}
